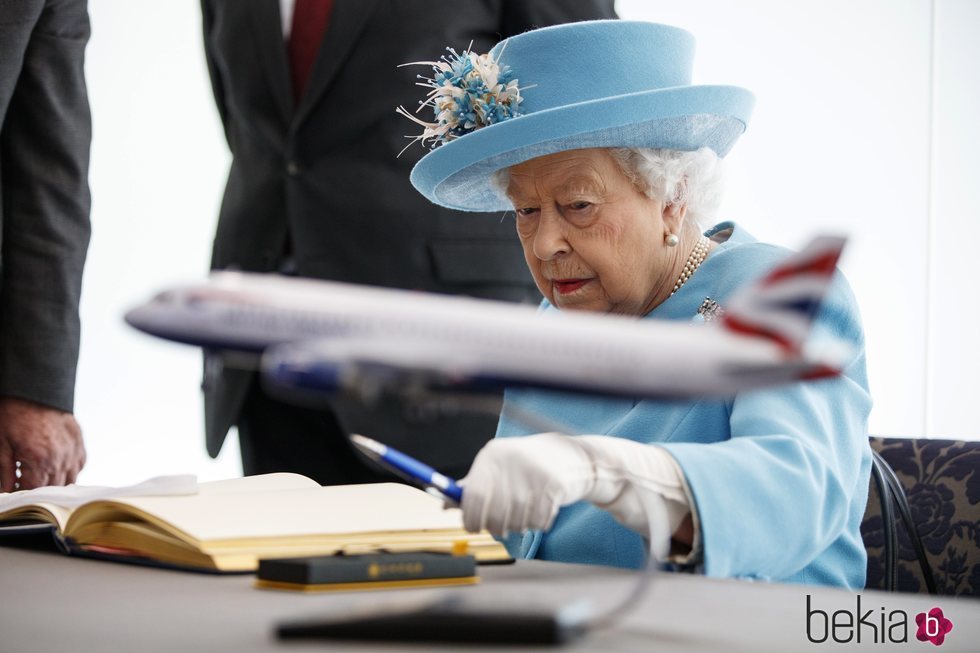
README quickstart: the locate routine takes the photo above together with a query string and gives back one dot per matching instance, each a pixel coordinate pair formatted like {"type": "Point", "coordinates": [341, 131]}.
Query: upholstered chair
{"type": "Point", "coordinates": [941, 479]}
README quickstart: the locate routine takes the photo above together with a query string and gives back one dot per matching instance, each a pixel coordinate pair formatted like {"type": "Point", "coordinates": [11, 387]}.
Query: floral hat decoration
{"type": "Point", "coordinates": [469, 91]}
{"type": "Point", "coordinates": [605, 83]}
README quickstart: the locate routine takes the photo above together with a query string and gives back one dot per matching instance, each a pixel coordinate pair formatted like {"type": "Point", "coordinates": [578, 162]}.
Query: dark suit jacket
{"type": "Point", "coordinates": [326, 174]}
{"type": "Point", "coordinates": [44, 196]}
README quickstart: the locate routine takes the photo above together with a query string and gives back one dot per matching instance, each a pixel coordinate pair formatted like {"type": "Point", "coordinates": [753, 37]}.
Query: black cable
{"type": "Point", "coordinates": [905, 512]}
{"type": "Point", "coordinates": [887, 519]}
{"type": "Point", "coordinates": [452, 403]}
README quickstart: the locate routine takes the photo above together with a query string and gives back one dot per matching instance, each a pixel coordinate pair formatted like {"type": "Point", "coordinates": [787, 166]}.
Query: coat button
{"type": "Point", "coordinates": [293, 169]}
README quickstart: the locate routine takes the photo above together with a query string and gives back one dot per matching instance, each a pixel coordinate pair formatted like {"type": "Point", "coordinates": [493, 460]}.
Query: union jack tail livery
{"type": "Point", "coordinates": [782, 305]}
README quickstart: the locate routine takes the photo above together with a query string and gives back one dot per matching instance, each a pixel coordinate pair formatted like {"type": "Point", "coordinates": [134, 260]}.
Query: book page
{"type": "Point", "coordinates": [259, 483]}
{"type": "Point", "coordinates": [38, 512]}
{"type": "Point", "coordinates": [54, 504]}
{"type": "Point", "coordinates": [109, 510]}
{"type": "Point", "coordinates": [72, 495]}
{"type": "Point", "coordinates": [253, 508]}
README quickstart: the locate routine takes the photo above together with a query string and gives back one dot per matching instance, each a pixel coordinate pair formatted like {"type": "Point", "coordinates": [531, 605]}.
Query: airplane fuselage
{"type": "Point", "coordinates": [459, 338]}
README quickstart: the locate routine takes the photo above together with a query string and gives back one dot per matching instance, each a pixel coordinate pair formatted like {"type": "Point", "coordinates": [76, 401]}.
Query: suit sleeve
{"type": "Point", "coordinates": [44, 157]}
{"type": "Point", "coordinates": [521, 15]}
{"type": "Point", "coordinates": [785, 486]}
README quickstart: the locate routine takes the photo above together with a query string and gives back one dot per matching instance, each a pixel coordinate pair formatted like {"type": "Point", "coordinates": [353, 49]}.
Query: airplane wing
{"type": "Point", "coordinates": [365, 367]}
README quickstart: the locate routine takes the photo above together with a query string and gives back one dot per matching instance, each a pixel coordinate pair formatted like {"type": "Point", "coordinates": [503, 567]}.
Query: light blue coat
{"type": "Point", "coordinates": [779, 476]}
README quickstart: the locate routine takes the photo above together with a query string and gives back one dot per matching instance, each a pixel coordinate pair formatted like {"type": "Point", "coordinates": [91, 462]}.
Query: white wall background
{"type": "Point", "coordinates": [865, 123]}
{"type": "Point", "coordinates": [158, 167]}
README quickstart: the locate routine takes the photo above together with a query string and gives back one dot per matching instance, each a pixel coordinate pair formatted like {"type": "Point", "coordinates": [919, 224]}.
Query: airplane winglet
{"type": "Point", "coordinates": [783, 304]}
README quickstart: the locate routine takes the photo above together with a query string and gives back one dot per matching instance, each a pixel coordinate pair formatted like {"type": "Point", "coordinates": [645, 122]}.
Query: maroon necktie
{"type": "Point", "coordinates": [310, 19]}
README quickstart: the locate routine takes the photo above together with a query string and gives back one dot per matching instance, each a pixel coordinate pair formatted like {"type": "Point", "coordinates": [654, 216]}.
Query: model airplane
{"type": "Point", "coordinates": [320, 336]}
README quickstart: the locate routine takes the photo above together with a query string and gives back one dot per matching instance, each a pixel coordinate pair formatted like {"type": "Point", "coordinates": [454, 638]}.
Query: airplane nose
{"type": "Point", "coordinates": [157, 319]}
{"type": "Point", "coordinates": [140, 317]}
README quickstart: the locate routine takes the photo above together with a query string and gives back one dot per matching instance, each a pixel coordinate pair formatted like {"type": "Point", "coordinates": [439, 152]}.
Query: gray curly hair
{"type": "Point", "coordinates": [695, 179]}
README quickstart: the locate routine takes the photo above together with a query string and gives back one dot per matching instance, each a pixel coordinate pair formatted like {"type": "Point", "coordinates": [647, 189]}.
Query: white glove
{"type": "Point", "coordinates": [519, 483]}
{"type": "Point", "coordinates": [516, 484]}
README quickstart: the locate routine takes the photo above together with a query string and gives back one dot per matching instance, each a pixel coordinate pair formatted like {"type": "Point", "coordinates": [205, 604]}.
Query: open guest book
{"type": "Point", "coordinates": [228, 526]}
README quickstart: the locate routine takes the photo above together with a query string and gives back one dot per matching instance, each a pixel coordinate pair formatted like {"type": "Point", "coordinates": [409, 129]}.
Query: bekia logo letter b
{"type": "Point", "coordinates": [933, 626]}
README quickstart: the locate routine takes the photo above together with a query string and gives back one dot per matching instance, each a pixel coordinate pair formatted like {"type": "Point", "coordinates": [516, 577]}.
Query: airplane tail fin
{"type": "Point", "coordinates": [783, 304]}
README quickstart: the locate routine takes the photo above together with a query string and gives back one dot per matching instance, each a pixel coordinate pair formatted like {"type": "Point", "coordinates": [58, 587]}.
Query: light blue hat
{"type": "Point", "coordinates": [606, 83]}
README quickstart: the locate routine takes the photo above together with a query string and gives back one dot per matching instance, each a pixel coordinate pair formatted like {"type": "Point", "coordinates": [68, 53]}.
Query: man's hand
{"type": "Point", "coordinates": [47, 442]}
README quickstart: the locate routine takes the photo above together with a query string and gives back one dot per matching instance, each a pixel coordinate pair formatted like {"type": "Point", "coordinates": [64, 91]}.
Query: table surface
{"type": "Point", "coordinates": [54, 603]}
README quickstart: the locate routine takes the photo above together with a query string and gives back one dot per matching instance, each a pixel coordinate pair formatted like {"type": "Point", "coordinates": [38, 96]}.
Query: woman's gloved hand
{"type": "Point", "coordinates": [516, 484]}
{"type": "Point", "coordinates": [519, 483]}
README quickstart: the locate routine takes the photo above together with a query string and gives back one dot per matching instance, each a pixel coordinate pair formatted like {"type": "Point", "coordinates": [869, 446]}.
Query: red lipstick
{"type": "Point", "coordinates": [565, 286]}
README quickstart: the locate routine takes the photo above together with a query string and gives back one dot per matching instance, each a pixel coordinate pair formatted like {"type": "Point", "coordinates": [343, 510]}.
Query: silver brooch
{"type": "Point", "coordinates": [710, 310]}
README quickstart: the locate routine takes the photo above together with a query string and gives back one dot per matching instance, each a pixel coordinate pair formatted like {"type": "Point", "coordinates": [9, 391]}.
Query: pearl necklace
{"type": "Point", "coordinates": [694, 261]}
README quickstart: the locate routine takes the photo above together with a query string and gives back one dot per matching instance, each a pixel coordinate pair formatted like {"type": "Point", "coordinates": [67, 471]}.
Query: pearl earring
{"type": "Point", "coordinates": [672, 240]}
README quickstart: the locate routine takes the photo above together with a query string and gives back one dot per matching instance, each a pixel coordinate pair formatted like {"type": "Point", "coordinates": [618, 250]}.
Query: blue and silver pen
{"type": "Point", "coordinates": [403, 466]}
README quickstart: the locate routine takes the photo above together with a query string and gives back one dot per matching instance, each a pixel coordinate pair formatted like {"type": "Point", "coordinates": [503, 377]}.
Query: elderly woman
{"type": "Point", "coordinates": [593, 135]}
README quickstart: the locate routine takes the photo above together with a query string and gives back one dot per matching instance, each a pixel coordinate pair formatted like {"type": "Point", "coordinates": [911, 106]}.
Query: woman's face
{"type": "Point", "coordinates": [593, 241]}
